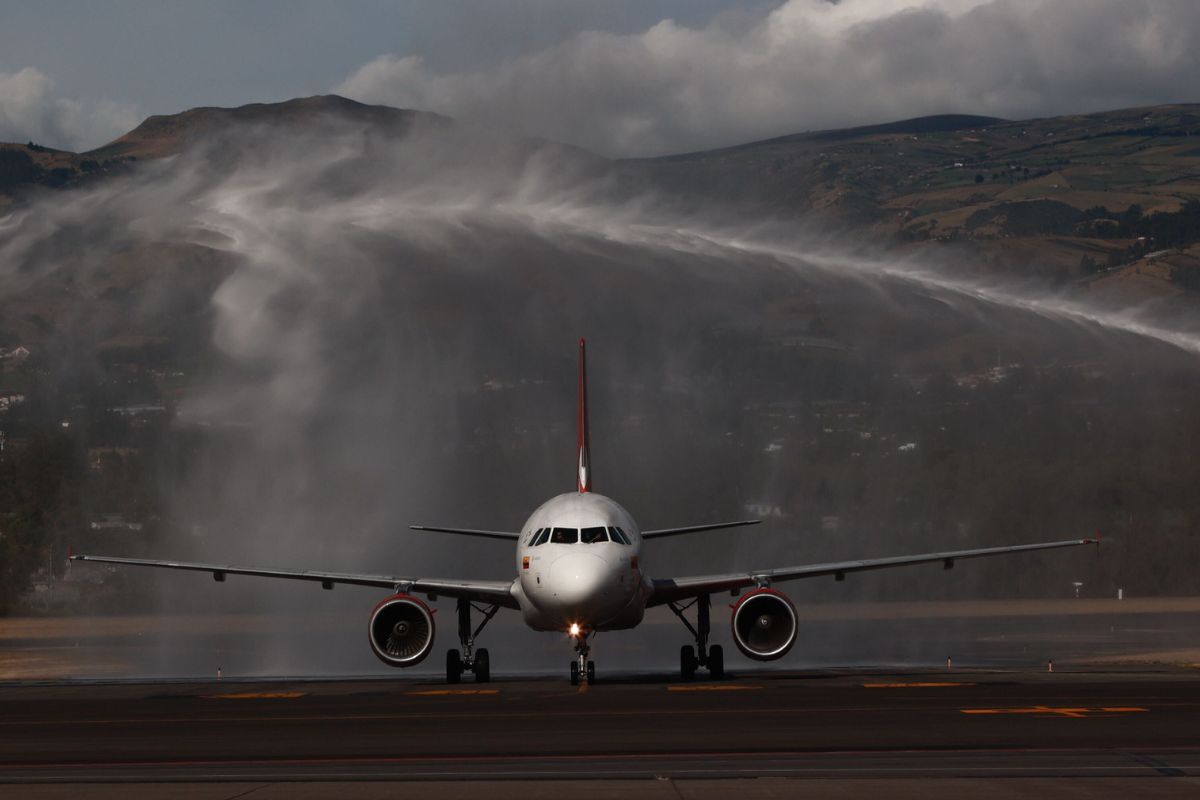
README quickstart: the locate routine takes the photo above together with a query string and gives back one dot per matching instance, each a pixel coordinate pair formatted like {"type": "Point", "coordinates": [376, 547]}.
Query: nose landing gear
{"type": "Point", "coordinates": [582, 668]}
{"type": "Point", "coordinates": [713, 658]}
{"type": "Point", "coordinates": [470, 660]}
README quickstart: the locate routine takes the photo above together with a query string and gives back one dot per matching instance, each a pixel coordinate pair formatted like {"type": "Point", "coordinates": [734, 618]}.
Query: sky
{"type": "Point", "coordinates": [620, 77]}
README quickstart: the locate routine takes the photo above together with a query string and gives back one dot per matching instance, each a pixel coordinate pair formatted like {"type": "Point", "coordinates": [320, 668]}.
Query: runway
{"type": "Point", "coordinates": [1112, 729]}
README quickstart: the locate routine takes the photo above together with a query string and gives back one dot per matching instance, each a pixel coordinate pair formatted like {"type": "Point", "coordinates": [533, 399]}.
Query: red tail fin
{"type": "Point", "coordinates": [583, 471]}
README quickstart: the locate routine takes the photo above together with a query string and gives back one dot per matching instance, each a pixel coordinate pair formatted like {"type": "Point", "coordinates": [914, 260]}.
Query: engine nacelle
{"type": "Point", "coordinates": [764, 625]}
{"type": "Point", "coordinates": [401, 631]}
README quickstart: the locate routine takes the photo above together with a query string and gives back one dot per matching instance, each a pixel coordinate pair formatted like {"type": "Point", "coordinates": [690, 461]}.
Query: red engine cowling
{"type": "Point", "coordinates": [401, 631]}
{"type": "Point", "coordinates": [764, 625]}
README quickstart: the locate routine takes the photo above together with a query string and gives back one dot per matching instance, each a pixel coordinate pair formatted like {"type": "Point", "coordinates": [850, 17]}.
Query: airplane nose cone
{"type": "Point", "coordinates": [579, 580]}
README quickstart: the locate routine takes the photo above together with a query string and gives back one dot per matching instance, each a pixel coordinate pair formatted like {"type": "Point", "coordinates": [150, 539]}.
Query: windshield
{"type": "Point", "coordinates": [564, 536]}
{"type": "Point", "coordinates": [618, 535]}
{"type": "Point", "coordinates": [593, 535]}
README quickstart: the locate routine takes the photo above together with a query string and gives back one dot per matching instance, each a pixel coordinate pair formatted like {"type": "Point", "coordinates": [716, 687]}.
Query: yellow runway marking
{"type": "Point", "coordinates": [443, 692]}
{"type": "Point", "coordinates": [929, 685]}
{"type": "Point", "coordinates": [583, 687]}
{"type": "Point", "coordinates": [712, 687]}
{"type": "Point", "coordinates": [255, 696]}
{"type": "Point", "coordinates": [1056, 711]}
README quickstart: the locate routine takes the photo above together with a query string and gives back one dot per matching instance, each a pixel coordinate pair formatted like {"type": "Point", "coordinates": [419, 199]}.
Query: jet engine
{"type": "Point", "coordinates": [401, 631]}
{"type": "Point", "coordinates": [764, 625]}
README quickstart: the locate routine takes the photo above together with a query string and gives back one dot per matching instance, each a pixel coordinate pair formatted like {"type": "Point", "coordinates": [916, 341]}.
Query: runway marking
{"type": "Point", "coordinates": [597, 773]}
{"type": "Point", "coordinates": [444, 692]}
{"type": "Point", "coordinates": [455, 715]}
{"type": "Point", "coordinates": [1061, 711]}
{"type": "Point", "coordinates": [928, 685]}
{"type": "Point", "coordinates": [105, 769]}
{"type": "Point", "coordinates": [254, 696]}
{"type": "Point", "coordinates": [712, 687]}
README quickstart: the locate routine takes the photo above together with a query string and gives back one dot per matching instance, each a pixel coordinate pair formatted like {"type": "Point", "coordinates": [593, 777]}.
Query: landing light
{"type": "Point", "coordinates": [574, 629]}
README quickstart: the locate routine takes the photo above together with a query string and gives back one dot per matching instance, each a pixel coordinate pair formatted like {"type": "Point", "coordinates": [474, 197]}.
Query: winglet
{"type": "Point", "coordinates": [583, 472]}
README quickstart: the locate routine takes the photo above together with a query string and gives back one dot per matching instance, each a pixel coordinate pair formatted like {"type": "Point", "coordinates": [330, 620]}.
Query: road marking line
{"type": "Point", "coordinates": [712, 687]}
{"type": "Point", "coordinates": [443, 692]}
{"type": "Point", "coordinates": [451, 715]}
{"type": "Point", "coordinates": [1057, 711]}
{"type": "Point", "coordinates": [928, 685]}
{"type": "Point", "coordinates": [254, 696]}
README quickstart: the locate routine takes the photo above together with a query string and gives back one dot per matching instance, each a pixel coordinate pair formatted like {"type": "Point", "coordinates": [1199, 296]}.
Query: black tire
{"type": "Point", "coordinates": [591, 672]}
{"type": "Point", "coordinates": [687, 662]}
{"type": "Point", "coordinates": [483, 666]}
{"type": "Point", "coordinates": [574, 673]}
{"type": "Point", "coordinates": [716, 662]}
{"type": "Point", "coordinates": [454, 666]}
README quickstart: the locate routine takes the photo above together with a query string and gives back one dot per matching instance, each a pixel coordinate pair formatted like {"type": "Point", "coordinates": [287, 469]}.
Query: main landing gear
{"type": "Point", "coordinates": [702, 655]}
{"type": "Point", "coordinates": [581, 667]}
{"type": "Point", "coordinates": [470, 659]}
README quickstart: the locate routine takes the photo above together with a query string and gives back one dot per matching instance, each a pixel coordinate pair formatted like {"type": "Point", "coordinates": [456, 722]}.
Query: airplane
{"type": "Point", "coordinates": [580, 571]}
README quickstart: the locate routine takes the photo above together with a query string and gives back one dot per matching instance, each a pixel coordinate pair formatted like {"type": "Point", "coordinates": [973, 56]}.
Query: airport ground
{"type": "Point", "coordinates": [1118, 717]}
{"type": "Point", "coordinates": [1097, 732]}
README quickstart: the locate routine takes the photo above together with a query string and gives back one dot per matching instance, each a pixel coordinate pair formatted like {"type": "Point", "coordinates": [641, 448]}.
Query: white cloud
{"type": "Point", "coordinates": [811, 64]}
{"type": "Point", "coordinates": [29, 111]}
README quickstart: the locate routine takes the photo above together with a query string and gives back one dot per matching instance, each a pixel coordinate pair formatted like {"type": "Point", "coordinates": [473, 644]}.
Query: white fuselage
{"type": "Point", "coordinates": [566, 580]}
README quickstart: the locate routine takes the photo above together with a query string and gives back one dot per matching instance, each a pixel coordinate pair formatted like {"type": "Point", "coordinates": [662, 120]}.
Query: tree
{"type": "Point", "coordinates": [39, 500]}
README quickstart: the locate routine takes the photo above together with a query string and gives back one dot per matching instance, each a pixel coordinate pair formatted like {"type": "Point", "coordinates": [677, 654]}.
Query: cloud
{"type": "Point", "coordinates": [29, 111]}
{"type": "Point", "coordinates": [811, 64]}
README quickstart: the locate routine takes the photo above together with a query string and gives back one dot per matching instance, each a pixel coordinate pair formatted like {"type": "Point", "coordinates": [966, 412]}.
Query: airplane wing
{"type": "Point", "coordinates": [672, 589]}
{"type": "Point", "coordinates": [510, 535]}
{"type": "Point", "coordinates": [655, 534]}
{"type": "Point", "coordinates": [495, 592]}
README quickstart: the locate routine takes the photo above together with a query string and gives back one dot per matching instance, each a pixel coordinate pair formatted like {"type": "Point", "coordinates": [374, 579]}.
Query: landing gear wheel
{"type": "Point", "coordinates": [591, 672]}
{"type": "Point", "coordinates": [716, 662]}
{"type": "Point", "coordinates": [483, 666]}
{"type": "Point", "coordinates": [476, 661]}
{"type": "Point", "coordinates": [574, 673]}
{"type": "Point", "coordinates": [454, 666]}
{"type": "Point", "coordinates": [687, 662]}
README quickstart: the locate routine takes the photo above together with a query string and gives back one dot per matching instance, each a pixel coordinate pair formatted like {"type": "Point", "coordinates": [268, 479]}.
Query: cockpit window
{"type": "Point", "coordinates": [540, 538]}
{"type": "Point", "coordinates": [592, 535]}
{"type": "Point", "coordinates": [618, 535]}
{"type": "Point", "coordinates": [564, 536]}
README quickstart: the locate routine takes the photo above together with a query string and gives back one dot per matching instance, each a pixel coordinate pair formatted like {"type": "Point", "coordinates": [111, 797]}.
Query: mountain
{"type": "Point", "coordinates": [30, 165]}
{"type": "Point", "coordinates": [164, 135]}
{"type": "Point", "coordinates": [1065, 198]}
{"type": "Point", "coordinates": [1050, 196]}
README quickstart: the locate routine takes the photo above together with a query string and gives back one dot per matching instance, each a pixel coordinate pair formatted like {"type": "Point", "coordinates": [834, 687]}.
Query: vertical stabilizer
{"type": "Point", "coordinates": [583, 462]}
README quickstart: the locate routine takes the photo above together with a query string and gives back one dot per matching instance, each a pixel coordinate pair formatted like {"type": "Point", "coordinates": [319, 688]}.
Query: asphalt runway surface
{"type": "Point", "coordinates": [1123, 733]}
